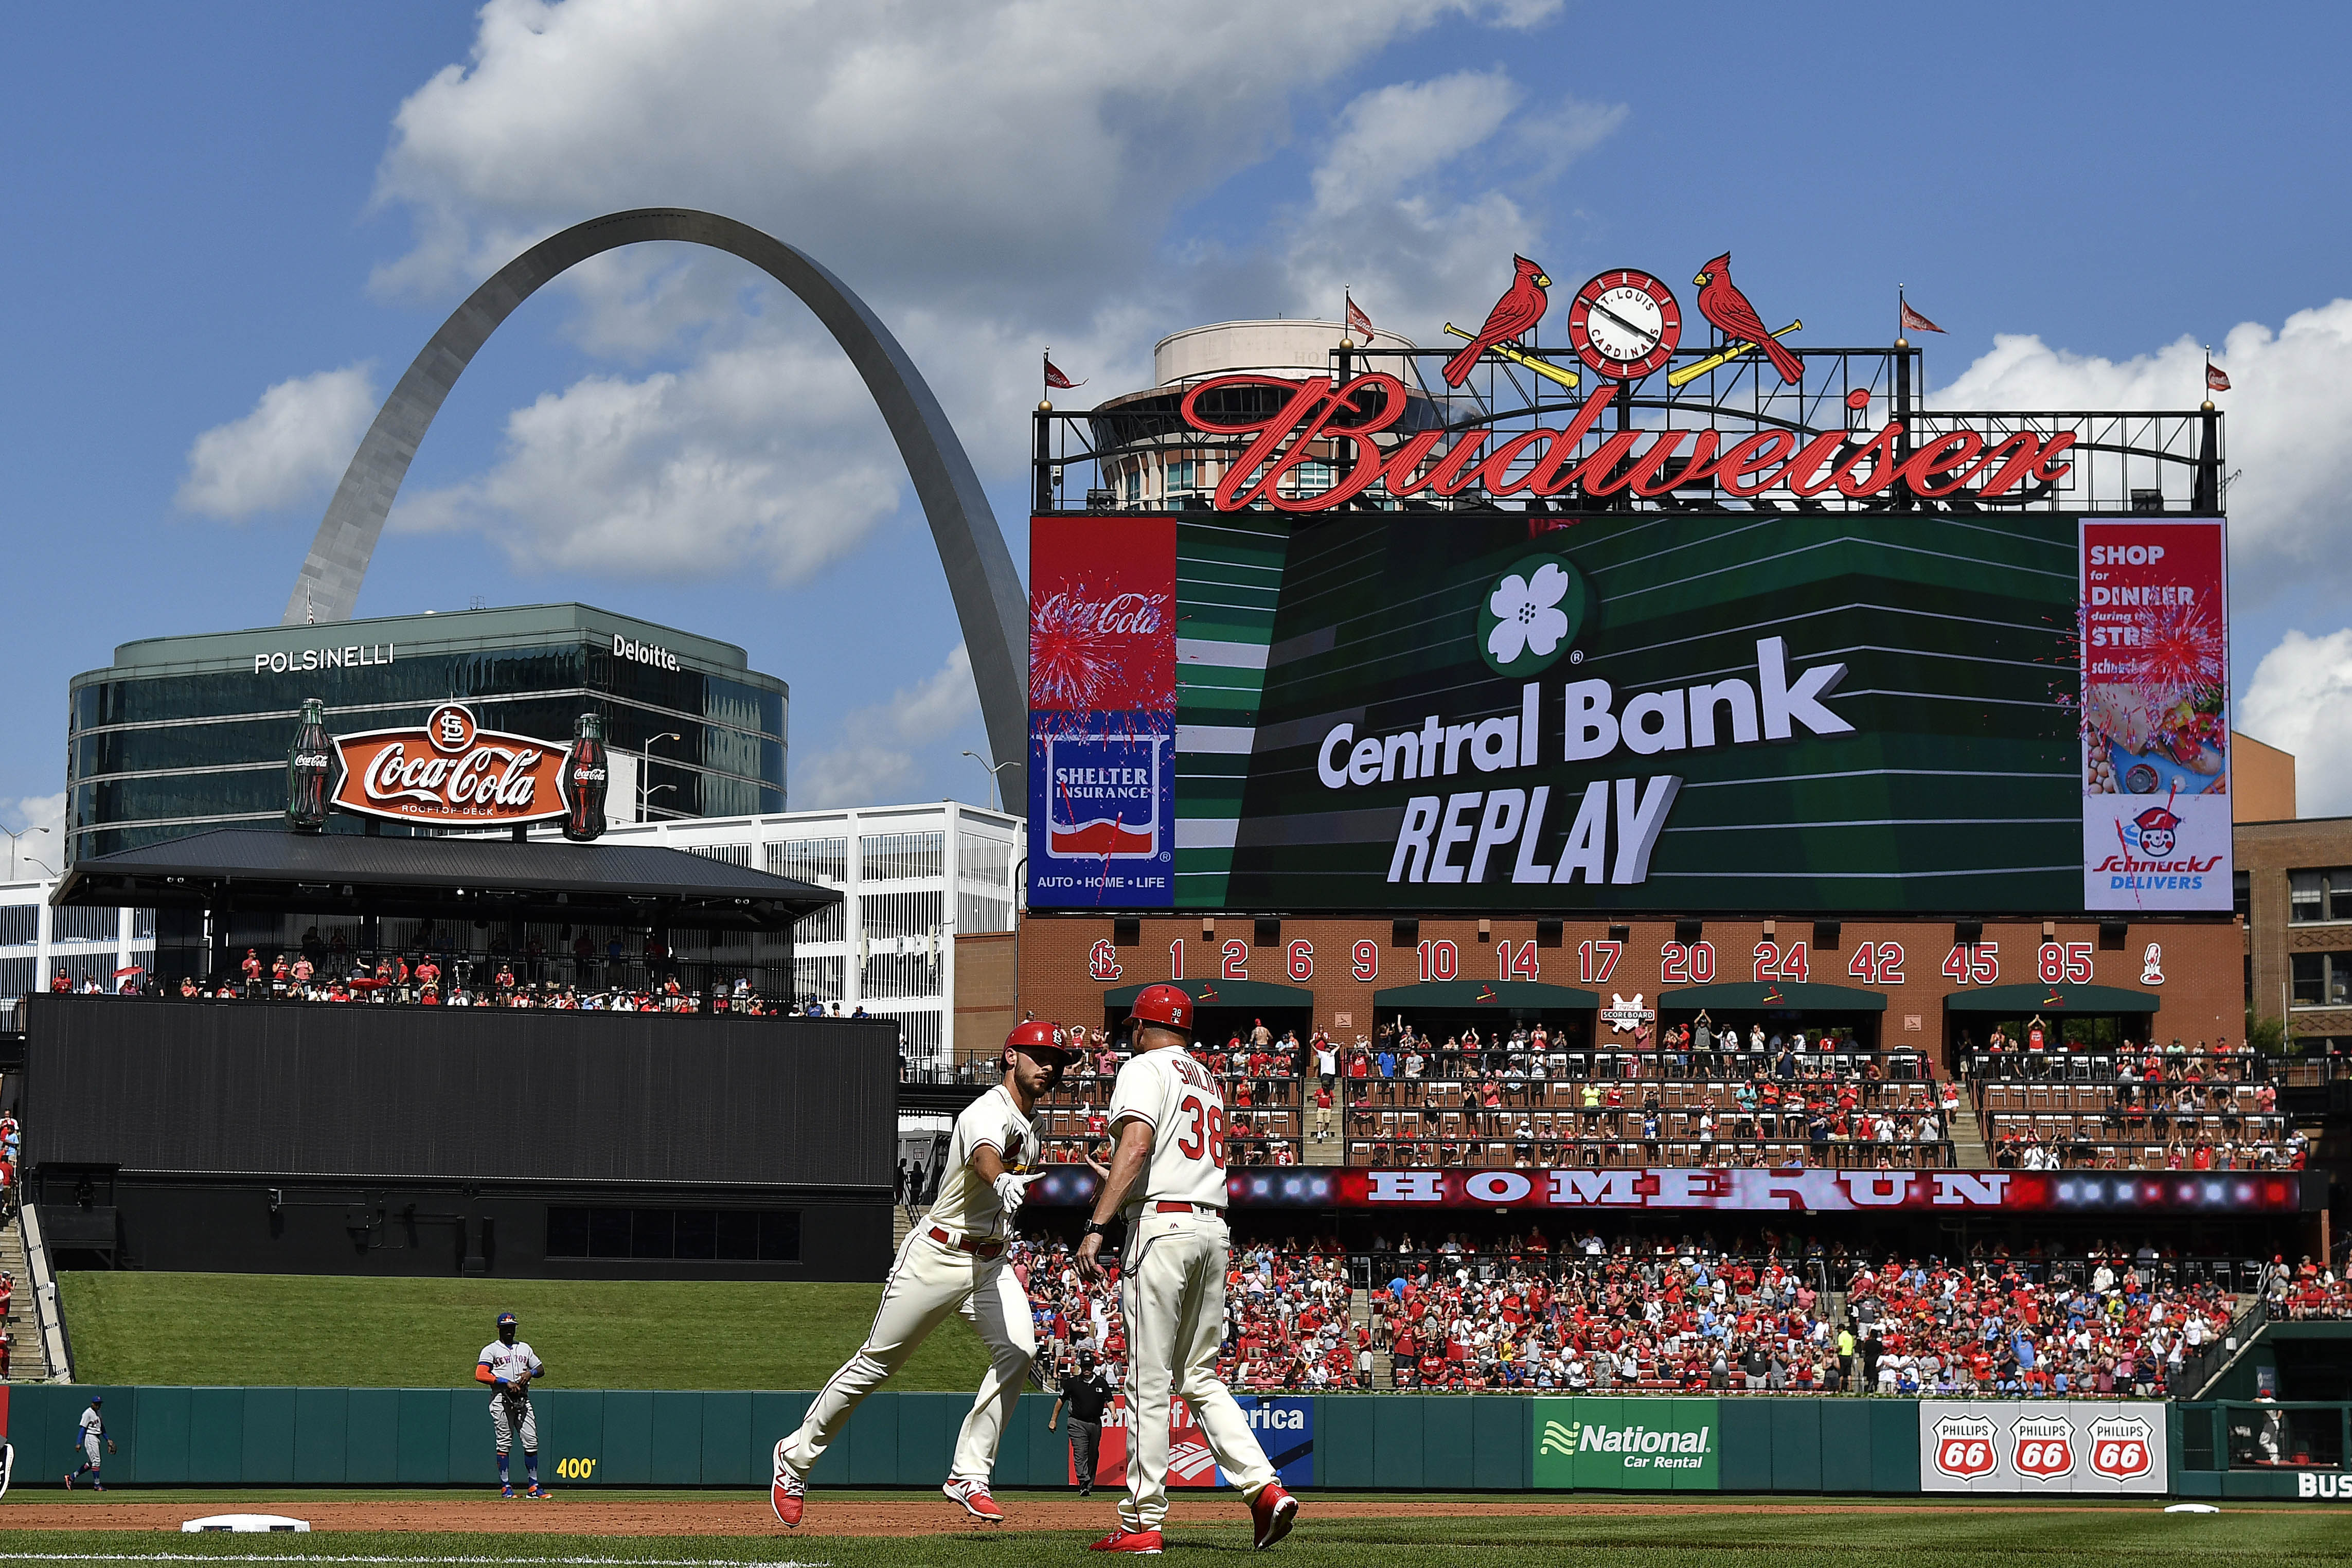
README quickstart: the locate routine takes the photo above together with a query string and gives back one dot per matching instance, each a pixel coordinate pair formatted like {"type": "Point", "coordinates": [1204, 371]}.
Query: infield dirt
{"type": "Point", "coordinates": [913, 1515]}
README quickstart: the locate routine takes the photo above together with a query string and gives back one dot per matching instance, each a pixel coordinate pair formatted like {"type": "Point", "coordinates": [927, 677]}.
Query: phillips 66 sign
{"type": "Point", "coordinates": [2019, 1447]}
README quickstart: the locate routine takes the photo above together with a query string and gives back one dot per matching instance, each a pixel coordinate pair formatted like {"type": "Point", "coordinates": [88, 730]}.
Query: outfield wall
{"type": "Point", "coordinates": [438, 1438]}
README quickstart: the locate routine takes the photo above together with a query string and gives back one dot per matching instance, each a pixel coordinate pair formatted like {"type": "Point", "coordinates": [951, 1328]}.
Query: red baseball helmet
{"type": "Point", "coordinates": [1037, 1039]}
{"type": "Point", "coordinates": [1165, 1004]}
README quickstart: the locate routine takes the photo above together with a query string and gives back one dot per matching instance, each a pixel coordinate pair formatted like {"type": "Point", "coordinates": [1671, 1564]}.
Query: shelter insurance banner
{"type": "Point", "coordinates": [2041, 1446]}
{"type": "Point", "coordinates": [1637, 1445]}
{"type": "Point", "coordinates": [1284, 1428]}
{"type": "Point", "coordinates": [2155, 715]}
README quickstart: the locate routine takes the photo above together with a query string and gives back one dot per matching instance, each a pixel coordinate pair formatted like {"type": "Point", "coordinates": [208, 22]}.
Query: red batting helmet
{"type": "Point", "coordinates": [1165, 1004]}
{"type": "Point", "coordinates": [1035, 1039]}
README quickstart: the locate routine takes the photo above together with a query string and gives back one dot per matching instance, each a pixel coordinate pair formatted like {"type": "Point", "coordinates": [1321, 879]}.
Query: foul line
{"type": "Point", "coordinates": [328, 1557]}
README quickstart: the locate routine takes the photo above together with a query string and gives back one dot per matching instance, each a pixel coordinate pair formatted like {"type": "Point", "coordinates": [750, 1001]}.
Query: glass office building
{"type": "Point", "coordinates": [185, 732]}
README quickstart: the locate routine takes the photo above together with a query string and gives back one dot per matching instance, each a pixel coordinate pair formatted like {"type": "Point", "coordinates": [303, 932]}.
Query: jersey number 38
{"type": "Point", "coordinates": [1207, 1133]}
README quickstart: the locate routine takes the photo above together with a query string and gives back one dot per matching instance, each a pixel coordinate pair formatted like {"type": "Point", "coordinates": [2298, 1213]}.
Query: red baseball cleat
{"type": "Point", "coordinates": [975, 1500]}
{"type": "Point", "coordinates": [1273, 1510]}
{"type": "Point", "coordinates": [786, 1493]}
{"type": "Point", "coordinates": [1141, 1542]}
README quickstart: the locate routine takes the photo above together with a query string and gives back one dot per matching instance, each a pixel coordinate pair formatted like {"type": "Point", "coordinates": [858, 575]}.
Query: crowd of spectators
{"type": "Point", "coordinates": [395, 981]}
{"type": "Point", "coordinates": [2047, 1107]}
{"type": "Point", "coordinates": [2112, 1329]}
{"type": "Point", "coordinates": [1654, 1315]}
{"type": "Point", "coordinates": [1525, 1097]}
{"type": "Point", "coordinates": [2308, 1291]}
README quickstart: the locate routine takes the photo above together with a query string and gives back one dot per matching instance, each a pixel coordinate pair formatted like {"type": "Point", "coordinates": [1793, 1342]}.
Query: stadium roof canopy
{"type": "Point", "coordinates": [264, 870]}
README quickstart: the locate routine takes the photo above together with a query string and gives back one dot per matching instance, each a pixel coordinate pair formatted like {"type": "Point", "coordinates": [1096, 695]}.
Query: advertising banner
{"type": "Point", "coordinates": [1634, 1445]}
{"type": "Point", "coordinates": [2155, 715]}
{"type": "Point", "coordinates": [450, 772]}
{"type": "Point", "coordinates": [1284, 1428]}
{"type": "Point", "coordinates": [2041, 1446]}
{"type": "Point", "coordinates": [1750, 1189]}
{"type": "Point", "coordinates": [1482, 710]}
{"type": "Point", "coordinates": [1102, 713]}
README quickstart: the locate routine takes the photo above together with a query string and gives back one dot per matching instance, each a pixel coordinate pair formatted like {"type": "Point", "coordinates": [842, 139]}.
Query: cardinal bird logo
{"type": "Point", "coordinates": [1520, 308]}
{"type": "Point", "coordinates": [1721, 302]}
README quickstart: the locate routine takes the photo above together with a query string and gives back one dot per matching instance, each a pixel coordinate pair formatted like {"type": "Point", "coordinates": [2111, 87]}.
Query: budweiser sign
{"type": "Point", "coordinates": [1855, 463]}
{"type": "Point", "coordinates": [450, 772]}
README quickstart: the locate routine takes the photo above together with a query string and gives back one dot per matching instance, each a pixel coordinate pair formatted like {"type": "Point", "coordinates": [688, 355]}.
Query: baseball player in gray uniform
{"type": "Point", "coordinates": [507, 1365]}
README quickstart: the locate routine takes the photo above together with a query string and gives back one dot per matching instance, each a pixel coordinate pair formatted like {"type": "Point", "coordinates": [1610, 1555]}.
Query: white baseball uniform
{"type": "Point", "coordinates": [1172, 1280]}
{"type": "Point", "coordinates": [508, 1362]}
{"type": "Point", "coordinates": [951, 1261]}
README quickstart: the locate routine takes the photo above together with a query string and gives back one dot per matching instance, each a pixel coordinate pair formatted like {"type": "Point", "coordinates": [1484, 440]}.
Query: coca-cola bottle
{"type": "Point", "coordinates": [586, 776]}
{"type": "Point", "coordinates": [309, 769]}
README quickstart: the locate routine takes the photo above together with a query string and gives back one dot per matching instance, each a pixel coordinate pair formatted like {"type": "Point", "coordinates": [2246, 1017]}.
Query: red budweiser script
{"type": "Point", "coordinates": [1544, 462]}
{"type": "Point", "coordinates": [451, 771]}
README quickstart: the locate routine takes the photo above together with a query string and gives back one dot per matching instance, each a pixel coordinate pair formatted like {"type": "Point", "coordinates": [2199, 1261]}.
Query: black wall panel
{"type": "Point", "coordinates": [295, 1089]}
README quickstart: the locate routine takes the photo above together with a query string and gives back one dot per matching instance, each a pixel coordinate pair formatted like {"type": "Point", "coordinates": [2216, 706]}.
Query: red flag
{"type": "Point", "coordinates": [1913, 322]}
{"type": "Point", "coordinates": [2214, 379]}
{"type": "Point", "coordinates": [1054, 377]}
{"type": "Point", "coordinates": [1356, 320]}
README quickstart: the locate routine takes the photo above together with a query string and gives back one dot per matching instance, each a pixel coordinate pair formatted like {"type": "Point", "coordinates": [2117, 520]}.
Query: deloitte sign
{"type": "Point", "coordinates": [1656, 1445]}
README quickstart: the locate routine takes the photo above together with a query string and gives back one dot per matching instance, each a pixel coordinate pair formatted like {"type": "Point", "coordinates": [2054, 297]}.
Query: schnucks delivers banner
{"type": "Point", "coordinates": [2041, 1446]}
{"type": "Point", "coordinates": [2155, 715]}
{"type": "Point", "coordinates": [1482, 710]}
{"type": "Point", "coordinates": [1637, 1445]}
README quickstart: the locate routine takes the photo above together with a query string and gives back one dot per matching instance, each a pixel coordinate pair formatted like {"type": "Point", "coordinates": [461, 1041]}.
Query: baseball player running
{"type": "Point", "coordinates": [953, 1262]}
{"type": "Point", "coordinates": [1168, 1128]}
{"type": "Point", "coordinates": [88, 1438]}
{"type": "Point", "coordinates": [507, 1365]}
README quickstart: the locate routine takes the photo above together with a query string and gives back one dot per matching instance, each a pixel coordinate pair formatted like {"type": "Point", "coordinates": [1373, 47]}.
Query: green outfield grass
{"type": "Point", "coordinates": [1998, 1536]}
{"type": "Point", "coordinates": [260, 1329]}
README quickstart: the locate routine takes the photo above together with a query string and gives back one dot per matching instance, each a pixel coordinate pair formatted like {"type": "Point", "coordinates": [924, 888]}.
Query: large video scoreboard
{"type": "Point", "coordinates": [1665, 711]}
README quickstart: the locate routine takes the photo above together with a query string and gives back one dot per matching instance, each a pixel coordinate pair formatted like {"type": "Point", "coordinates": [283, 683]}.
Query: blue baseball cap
{"type": "Point", "coordinates": [98, 1399]}
{"type": "Point", "coordinates": [505, 1317]}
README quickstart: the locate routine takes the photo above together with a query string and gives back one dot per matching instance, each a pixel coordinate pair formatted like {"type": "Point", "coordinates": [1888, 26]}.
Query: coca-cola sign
{"type": "Point", "coordinates": [1102, 620]}
{"type": "Point", "coordinates": [451, 773]}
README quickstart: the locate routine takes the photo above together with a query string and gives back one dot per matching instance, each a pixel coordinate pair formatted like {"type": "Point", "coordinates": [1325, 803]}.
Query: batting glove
{"type": "Point", "coordinates": [1011, 1191]}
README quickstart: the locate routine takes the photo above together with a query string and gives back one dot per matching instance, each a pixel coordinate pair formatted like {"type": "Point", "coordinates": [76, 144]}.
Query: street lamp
{"type": "Point", "coordinates": [995, 786]}
{"type": "Point", "coordinates": [22, 831]}
{"type": "Point", "coordinates": [645, 794]}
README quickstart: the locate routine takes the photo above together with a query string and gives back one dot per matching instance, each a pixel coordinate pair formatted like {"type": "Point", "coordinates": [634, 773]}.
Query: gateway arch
{"type": "Point", "coordinates": [991, 605]}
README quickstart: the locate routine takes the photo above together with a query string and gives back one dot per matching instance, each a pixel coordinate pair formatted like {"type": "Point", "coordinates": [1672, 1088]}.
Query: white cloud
{"type": "Point", "coordinates": [759, 457]}
{"type": "Point", "coordinates": [991, 177]}
{"type": "Point", "coordinates": [40, 823]}
{"type": "Point", "coordinates": [2300, 700]}
{"type": "Point", "coordinates": [298, 441]}
{"type": "Point", "coordinates": [2291, 399]}
{"type": "Point", "coordinates": [873, 760]}
{"type": "Point", "coordinates": [1391, 137]}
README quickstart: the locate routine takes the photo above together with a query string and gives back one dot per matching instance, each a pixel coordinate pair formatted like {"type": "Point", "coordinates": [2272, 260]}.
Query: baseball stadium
{"type": "Point", "coordinates": [1872, 1151]}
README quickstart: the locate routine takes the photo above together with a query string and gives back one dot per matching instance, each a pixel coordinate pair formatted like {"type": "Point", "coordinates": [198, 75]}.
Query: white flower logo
{"type": "Point", "coordinates": [1527, 614]}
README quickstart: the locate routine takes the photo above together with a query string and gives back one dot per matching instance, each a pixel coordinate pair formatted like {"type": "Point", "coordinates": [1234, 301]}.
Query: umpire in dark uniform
{"type": "Point", "coordinates": [1086, 1396]}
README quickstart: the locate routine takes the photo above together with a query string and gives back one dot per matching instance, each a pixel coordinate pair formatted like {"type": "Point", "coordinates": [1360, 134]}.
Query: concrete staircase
{"type": "Point", "coordinates": [1968, 1137]}
{"type": "Point", "coordinates": [26, 1362]}
{"type": "Point", "coordinates": [1360, 1315]}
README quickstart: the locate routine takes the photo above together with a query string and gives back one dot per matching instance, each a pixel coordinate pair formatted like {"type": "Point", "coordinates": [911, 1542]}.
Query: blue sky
{"type": "Point", "coordinates": [215, 203]}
